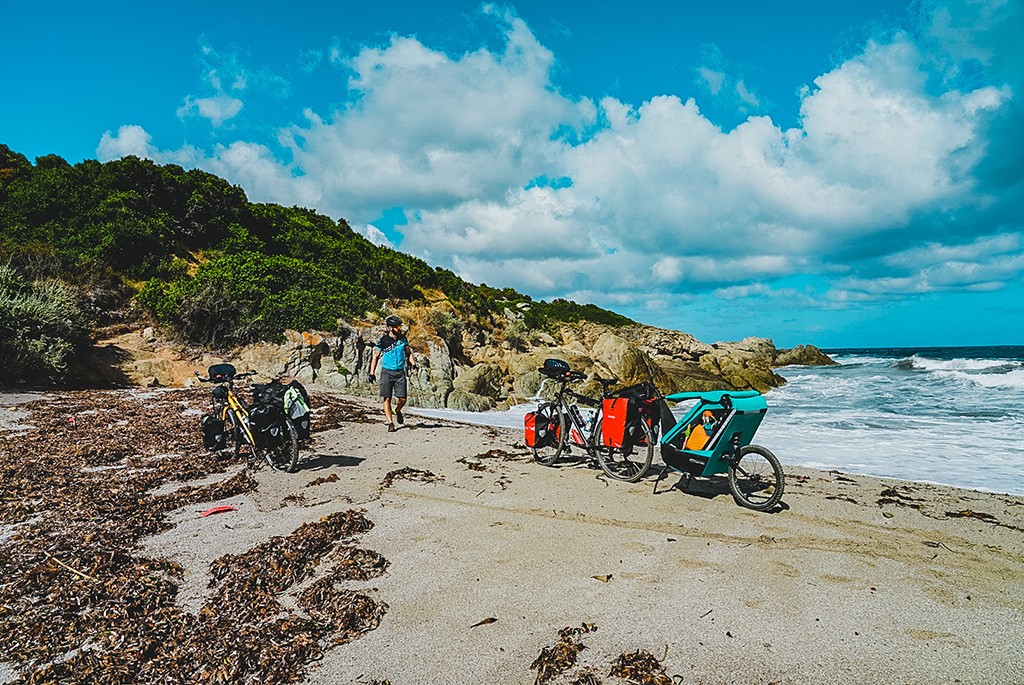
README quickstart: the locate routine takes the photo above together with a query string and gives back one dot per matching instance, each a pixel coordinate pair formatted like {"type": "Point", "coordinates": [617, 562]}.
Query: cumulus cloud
{"type": "Point", "coordinates": [655, 200]}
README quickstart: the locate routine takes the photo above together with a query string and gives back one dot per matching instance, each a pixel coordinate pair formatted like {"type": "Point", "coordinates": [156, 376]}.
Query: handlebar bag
{"type": "Point", "coordinates": [554, 368]}
{"type": "Point", "coordinates": [221, 373]}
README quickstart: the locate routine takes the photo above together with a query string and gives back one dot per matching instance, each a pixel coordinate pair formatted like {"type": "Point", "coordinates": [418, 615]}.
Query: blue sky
{"type": "Point", "coordinates": [841, 174]}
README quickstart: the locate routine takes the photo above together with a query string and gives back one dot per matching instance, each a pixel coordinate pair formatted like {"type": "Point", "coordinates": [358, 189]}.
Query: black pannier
{"type": "Point", "coordinates": [267, 424]}
{"type": "Point", "coordinates": [292, 399]}
{"type": "Point", "coordinates": [554, 368]}
{"type": "Point", "coordinates": [214, 435]}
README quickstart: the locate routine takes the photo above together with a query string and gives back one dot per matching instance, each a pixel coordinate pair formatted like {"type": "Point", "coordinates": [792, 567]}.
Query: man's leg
{"type": "Point", "coordinates": [387, 412]}
{"type": "Point", "coordinates": [399, 403]}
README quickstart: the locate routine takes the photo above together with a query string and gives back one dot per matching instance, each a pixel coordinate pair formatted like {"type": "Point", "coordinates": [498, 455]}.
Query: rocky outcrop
{"type": "Point", "coordinates": [491, 372]}
{"type": "Point", "coordinates": [803, 355]}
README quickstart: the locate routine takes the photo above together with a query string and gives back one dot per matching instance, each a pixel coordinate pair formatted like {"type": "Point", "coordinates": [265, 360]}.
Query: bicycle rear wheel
{"type": "Point", "coordinates": [549, 453]}
{"type": "Point", "coordinates": [631, 465]}
{"type": "Point", "coordinates": [755, 479]}
{"type": "Point", "coordinates": [283, 455]}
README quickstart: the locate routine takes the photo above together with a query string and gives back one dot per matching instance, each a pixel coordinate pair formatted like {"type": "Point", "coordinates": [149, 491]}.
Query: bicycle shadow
{"type": "Point", "coordinates": [705, 488]}
{"type": "Point", "coordinates": [319, 462]}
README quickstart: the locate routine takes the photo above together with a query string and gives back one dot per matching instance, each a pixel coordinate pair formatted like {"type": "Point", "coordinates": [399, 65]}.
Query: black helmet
{"type": "Point", "coordinates": [392, 321]}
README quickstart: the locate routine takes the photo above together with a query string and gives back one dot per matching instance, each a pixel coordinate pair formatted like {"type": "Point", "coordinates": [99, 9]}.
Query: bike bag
{"type": "Point", "coordinates": [214, 435]}
{"type": "Point", "coordinates": [221, 373]}
{"type": "Point", "coordinates": [541, 427]}
{"type": "Point", "coordinates": [613, 426]}
{"type": "Point", "coordinates": [554, 368]}
{"type": "Point", "coordinates": [267, 424]}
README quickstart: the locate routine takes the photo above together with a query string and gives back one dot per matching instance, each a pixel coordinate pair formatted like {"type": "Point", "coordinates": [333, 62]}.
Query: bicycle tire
{"type": "Point", "coordinates": [617, 463]}
{"type": "Point", "coordinates": [751, 484]}
{"type": "Point", "coordinates": [284, 456]}
{"type": "Point", "coordinates": [549, 454]}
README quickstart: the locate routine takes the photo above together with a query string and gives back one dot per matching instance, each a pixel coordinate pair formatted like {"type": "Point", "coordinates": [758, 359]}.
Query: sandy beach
{"type": "Point", "coordinates": [495, 569]}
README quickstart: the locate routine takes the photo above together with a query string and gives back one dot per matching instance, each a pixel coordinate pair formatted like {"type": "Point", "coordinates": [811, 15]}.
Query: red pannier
{"type": "Point", "coordinates": [613, 426]}
{"type": "Point", "coordinates": [623, 414]}
{"type": "Point", "coordinates": [541, 427]}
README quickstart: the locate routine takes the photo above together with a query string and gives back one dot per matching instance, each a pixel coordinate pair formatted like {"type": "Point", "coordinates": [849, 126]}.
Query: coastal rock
{"type": "Point", "coordinates": [803, 355]}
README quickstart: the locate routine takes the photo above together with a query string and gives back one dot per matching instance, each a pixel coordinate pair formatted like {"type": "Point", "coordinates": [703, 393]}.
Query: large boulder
{"type": "Point", "coordinates": [803, 355]}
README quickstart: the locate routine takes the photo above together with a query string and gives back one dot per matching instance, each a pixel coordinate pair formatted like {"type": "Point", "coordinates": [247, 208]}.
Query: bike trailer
{"type": "Point", "coordinates": [722, 420]}
{"type": "Point", "coordinates": [214, 436]}
{"type": "Point", "coordinates": [541, 427]}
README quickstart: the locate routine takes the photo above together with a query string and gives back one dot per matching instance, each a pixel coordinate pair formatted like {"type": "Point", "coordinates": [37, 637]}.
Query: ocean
{"type": "Point", "coordinates": [947, 415]}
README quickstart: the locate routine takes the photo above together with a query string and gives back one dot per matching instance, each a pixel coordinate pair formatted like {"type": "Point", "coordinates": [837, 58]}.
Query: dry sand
{"type": "Point", "coordinates": [857, 580]}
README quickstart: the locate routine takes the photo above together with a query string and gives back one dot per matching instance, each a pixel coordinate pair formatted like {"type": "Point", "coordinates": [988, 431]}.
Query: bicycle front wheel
{"type": "Point", "coordinates": [283, 455]}
{"type": "Point", "coordinates": [232, 435]}
{"type": "Point", "coordinates": [554, 445]}
{"type": "Point", "coordinates": [628, 465]}
{"type": "Point", "coordinates": [755, 479]}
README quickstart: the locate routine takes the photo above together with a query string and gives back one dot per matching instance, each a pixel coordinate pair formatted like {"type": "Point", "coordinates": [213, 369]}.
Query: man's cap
{"type": "Point", "coordinates": [707, 414]}
{"type": "Point", "coordinates": [393, 321]}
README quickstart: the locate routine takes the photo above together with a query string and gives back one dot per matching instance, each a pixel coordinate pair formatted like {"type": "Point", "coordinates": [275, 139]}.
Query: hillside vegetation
{"type": "Point", "coordinates": [94, 244]}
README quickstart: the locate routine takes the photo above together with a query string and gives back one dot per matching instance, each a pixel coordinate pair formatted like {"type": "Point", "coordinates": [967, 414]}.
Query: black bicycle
{"type": "Point", "coordinates": [619, 435]}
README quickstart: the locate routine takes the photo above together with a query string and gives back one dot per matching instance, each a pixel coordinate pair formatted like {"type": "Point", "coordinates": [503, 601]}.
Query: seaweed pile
{"type": "Point", "coordinates": [555, 662]}
{"type": "Point", "coordinates": [79, 604]}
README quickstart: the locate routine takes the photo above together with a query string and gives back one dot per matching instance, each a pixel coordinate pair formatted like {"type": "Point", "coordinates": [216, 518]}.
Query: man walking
{"type": "Point", "coordinates": [394, 355]}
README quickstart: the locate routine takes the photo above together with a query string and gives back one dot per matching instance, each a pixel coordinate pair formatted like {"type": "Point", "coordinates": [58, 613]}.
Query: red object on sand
{"type": "Point", "coordinates": [219, 510]}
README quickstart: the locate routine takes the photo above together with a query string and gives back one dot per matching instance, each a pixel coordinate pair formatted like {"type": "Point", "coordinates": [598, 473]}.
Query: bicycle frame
{"type": "Point", "coordinates": [239, 413]}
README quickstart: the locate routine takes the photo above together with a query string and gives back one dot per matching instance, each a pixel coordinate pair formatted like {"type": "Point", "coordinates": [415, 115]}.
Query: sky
{"type": "Point", "coordinates": [838, 174]}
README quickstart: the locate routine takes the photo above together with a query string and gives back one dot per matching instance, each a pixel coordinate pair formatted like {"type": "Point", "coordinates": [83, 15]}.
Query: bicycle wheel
{"type": "Point", "coordinates": [283, 455]}
{"type": "Point", "coordinates": [755, 479]}
{"type": "Point", "coordinates": [632, 466]}
{"type": "Point", "coordinates": [548, 454]}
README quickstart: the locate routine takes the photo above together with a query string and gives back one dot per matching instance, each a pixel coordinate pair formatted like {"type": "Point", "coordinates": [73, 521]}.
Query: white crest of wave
{"type": "Point", "coordinates": [956, 364]}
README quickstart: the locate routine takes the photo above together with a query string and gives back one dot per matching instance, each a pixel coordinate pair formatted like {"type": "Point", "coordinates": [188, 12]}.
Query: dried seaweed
{"type": "Point", "coordinates": [641, 668]}
{"type": "Point", "coordinates": [409, 473]}
{"type": "Point", "coordinates": [333, 478]}
{"type": "Point", "coordinates": [561, 656]}
{"type": "Point", "coordinates": [79, 605]}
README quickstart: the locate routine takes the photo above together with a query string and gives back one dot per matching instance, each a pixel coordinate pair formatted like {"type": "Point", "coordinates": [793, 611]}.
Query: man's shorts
{"type": "Point", "coordinates": [393, 383]}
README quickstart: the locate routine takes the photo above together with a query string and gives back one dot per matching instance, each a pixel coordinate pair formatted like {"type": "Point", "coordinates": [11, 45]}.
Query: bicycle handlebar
{"type": "Point", "coordinates": [229, 380]}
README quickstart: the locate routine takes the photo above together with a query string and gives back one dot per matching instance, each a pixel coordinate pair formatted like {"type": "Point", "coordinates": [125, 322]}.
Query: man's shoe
{"type": "Point", "coordinates": [391, 428]}
{"type": "Point", "coordinates": [399, 418]}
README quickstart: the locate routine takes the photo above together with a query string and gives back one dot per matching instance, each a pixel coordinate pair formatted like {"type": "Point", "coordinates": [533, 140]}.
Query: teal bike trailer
{"type": "Point", "coordinates": [715, 437]}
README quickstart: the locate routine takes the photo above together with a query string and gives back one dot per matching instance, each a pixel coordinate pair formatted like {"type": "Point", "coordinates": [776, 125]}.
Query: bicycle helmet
{"type": "Point", "coordinates": [393, 321]}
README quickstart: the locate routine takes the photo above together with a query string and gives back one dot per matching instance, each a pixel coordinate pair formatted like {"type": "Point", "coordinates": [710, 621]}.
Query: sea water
{"type": "Point", "coordinates": [948, 415]}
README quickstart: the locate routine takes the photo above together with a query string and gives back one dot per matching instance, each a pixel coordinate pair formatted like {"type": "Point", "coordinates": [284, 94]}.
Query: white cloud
{"type": "Point", "coordinates": [217, 109]}
{"type": "Point", "coordinates": [658, 195]}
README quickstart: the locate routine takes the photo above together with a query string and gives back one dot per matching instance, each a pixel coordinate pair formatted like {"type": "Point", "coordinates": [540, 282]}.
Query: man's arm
{"type": "Point", "coordinates": [374, 356]}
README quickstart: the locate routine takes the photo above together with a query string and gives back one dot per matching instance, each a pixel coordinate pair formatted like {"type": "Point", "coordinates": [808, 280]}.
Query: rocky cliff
{"type": "Point", "coordinates": [477, 368]}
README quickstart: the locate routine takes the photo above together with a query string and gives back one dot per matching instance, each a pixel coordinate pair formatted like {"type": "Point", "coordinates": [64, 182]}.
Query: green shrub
{"type": "Point", "coordinates": [41, 327]}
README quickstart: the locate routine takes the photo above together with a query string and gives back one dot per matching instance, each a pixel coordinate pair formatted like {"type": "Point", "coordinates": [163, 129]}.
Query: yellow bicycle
{"type": "Point", "coordinates": [264, 427]}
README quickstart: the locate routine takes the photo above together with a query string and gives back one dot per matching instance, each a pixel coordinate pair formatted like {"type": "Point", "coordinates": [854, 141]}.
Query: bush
{"type": "Point", "coordinates": [41, 327]}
